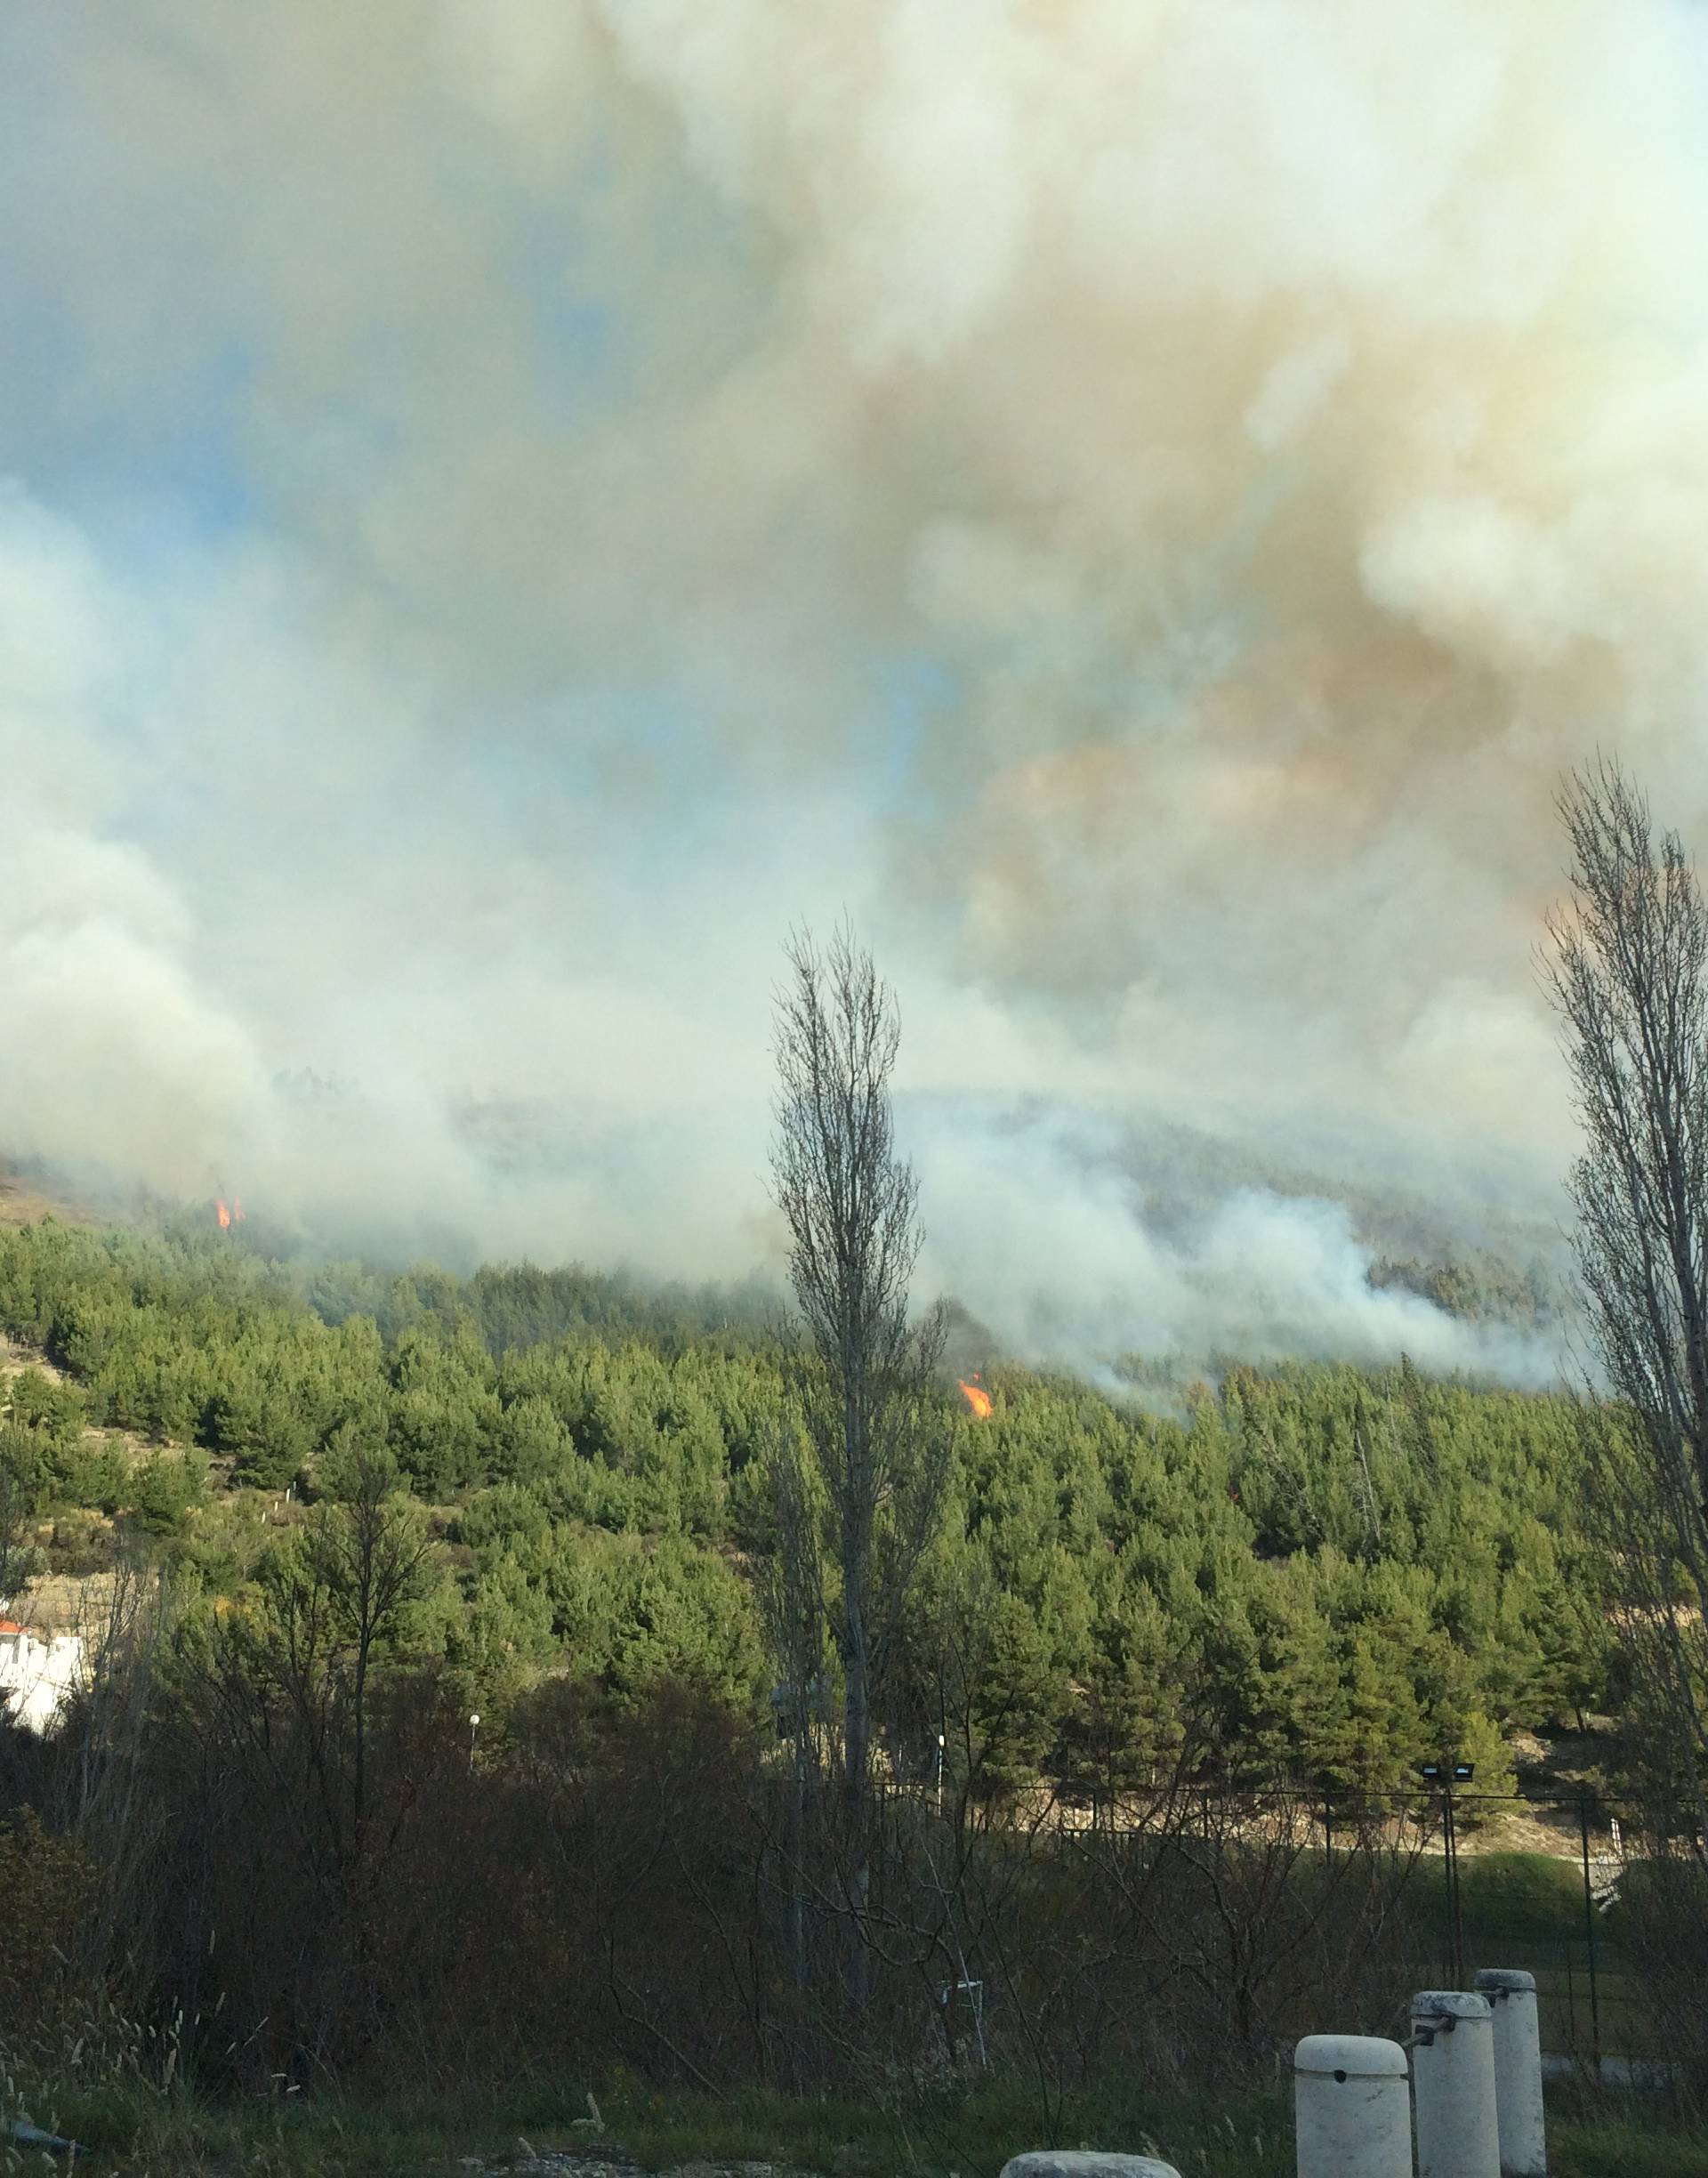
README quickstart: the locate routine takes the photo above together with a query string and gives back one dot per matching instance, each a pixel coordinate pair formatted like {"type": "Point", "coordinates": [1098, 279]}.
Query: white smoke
{"type": "Point", "coordinates": [1052, 1241]}
{"type": "Point", "coordinates": [1138, 501]}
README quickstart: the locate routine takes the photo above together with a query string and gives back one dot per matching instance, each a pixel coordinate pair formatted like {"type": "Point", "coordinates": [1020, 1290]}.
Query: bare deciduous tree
{"type": "Point", "coordinates": [878, 1447]}
{"type": "Point", "coordinates": [371, 1557]}
{"type": "Point", "coordinates": [1627, 973]}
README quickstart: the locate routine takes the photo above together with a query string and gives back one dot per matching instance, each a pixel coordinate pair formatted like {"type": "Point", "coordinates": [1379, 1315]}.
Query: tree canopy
{"type": "Point", "coordinates": [1316, 1573]}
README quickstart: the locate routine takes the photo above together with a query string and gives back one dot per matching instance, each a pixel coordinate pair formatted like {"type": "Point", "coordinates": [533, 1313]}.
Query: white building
{"type": "Point", "coordinates": [37, 1676]}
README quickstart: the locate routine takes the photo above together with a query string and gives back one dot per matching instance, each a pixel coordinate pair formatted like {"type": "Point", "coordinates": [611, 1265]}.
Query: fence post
{"type": "Point", "coordinates": [1589, 1930]}
{"type": "Point", "coordinates": [1452, 2073]}
{"type": "Point", "coordinates": [1511, 1995]}
{"type": "Point", "coordinates": [1352, 2112]}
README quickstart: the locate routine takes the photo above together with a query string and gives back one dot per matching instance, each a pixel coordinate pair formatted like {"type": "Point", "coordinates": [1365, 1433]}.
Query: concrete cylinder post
{"type": "Point", "coordinates": [1511, 1996]}
{"type": "Point", "coordinates": [1351, 2106]}
{"type": "Point", "coordinates": [1452, 2078]}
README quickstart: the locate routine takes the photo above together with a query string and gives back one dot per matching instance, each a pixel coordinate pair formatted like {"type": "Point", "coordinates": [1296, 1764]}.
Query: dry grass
{"type": "Point", "coordinates": [15, 1358]}
{"type": "Point", "coordinates": [26, 1201]}
{"type": "Point", "coordinates": [68, 1603]}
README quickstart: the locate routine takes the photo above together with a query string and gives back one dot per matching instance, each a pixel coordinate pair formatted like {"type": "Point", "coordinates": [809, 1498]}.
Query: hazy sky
{"type": "Point", "coordinates": [510, 503]}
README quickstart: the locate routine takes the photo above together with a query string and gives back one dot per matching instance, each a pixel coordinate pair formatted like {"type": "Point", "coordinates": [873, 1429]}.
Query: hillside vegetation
{"type": "Point", "coordinates": [1316, 1575]}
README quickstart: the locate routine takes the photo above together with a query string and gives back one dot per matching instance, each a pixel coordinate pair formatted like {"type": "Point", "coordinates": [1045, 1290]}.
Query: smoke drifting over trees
{"type": "Point", "coordinates": [515, 505]}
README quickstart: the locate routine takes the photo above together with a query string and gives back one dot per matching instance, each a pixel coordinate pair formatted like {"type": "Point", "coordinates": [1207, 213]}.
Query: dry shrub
{"type": "Point", "coordinates": [47, 1886]}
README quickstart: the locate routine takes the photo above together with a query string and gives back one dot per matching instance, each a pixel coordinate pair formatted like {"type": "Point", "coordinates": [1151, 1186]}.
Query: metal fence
{"type": "Point", "coordinates": [1459, 1911]}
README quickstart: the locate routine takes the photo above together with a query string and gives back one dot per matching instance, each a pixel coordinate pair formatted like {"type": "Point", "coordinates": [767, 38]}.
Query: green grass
{"type": "Point", "coordinates": [1627, 2026]}
{"type": "Point", "coordinates": [1240, 2133]}
{"type": "Point", "coordinates": [1526, 1910]}
{"type": "Point", "coordinates": [1243, 2133]}
{"type": "Point", "coordinates": [1237, 2135]}
{"type": "Point", "coordinates": [1617, 2148]}
{"type": "Point", "coordinates": [1514, 1895]}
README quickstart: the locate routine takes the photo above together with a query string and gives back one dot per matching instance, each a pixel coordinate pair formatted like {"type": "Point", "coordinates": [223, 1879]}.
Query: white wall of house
{"type": "Point", "coordinates": [36, 1676]}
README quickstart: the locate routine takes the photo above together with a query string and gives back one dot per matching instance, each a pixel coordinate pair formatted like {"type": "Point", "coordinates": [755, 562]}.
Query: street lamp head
{"type": "Point", "coordinates": [474, 1720]}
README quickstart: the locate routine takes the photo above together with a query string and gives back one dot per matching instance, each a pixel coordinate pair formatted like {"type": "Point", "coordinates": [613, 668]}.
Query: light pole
{"type": "Point", "coordinates": [474, 1726]}
{"type": "Point", "coordinates": [939, 1774]}
{"type": "Point", "coordinates": [1446, 1775]}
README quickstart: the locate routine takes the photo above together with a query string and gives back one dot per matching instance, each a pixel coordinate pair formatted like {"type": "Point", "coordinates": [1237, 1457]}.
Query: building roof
{"type": "Point", "coordinates": [11, 1625]}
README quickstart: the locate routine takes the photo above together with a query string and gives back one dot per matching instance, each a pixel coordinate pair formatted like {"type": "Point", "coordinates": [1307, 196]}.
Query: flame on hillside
{"type": "Point", "coordinates": [976, 1397]}
{"type": "Point", "coordinates": [227, 1213]}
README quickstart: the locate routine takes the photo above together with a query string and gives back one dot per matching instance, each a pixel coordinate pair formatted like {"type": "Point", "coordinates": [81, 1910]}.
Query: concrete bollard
{"type": "Point", "coordinates": [1084, 2162]}
{"type": "Point", "coordinates": [1351, 2106]}
{"type": "Point", "coordinates": [1453, 2080]}
{"type": "Point", "coordinates": [1511, 1996]}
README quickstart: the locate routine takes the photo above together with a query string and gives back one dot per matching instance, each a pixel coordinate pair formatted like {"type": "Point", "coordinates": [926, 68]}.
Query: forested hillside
{"type": "Point", "coordinates": [1319, 1574]}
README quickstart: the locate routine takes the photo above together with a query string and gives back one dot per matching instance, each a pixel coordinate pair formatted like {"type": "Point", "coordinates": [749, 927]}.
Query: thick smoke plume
{"type": "Point", "coordinates": [516, 502]}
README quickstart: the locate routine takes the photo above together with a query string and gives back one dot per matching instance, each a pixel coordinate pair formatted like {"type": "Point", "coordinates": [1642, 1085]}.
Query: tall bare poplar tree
{"type": "Point", "coordinates": [1627, 972]}
{"type": "Point", "coordinates": [878, 1449]}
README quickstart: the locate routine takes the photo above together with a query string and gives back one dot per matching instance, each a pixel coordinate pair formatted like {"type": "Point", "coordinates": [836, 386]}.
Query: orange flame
{"type": "Point", "coordinates": [976, 1398]}
{"type": "Point", "coordinates": [223, 1215]}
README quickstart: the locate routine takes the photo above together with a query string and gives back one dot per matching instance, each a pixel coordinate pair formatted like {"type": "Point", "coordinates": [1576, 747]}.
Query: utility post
{"type": "Point", "coordinates": [1445, 1774]}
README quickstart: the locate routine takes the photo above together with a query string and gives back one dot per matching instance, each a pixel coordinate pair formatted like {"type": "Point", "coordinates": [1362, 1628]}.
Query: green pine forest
{"type": "Point", "coordinates": [1314, 1574]}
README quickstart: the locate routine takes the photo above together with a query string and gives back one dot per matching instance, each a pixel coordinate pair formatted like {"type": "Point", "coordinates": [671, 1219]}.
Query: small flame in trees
{"type": "Point", "coordinates": [976, 1396]}
{"type": "Point", "coordinates": [223, 1215]}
